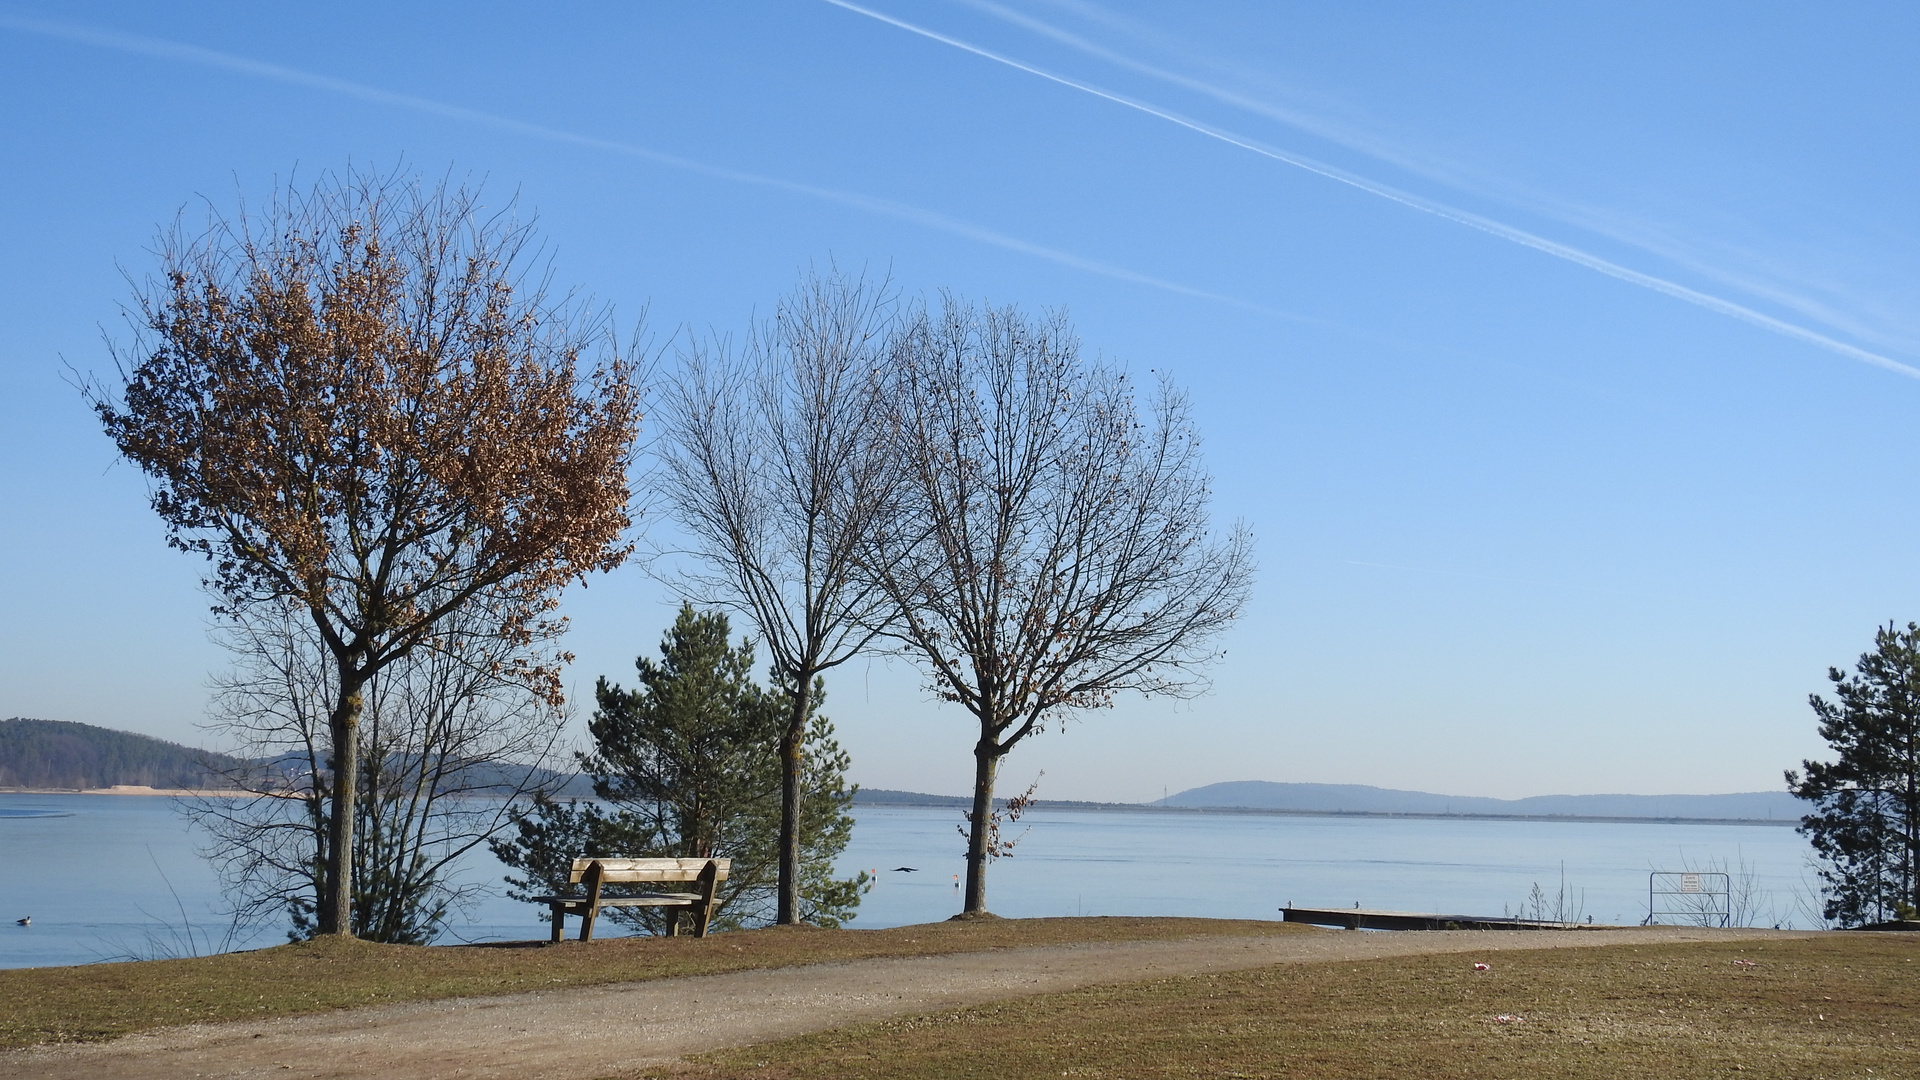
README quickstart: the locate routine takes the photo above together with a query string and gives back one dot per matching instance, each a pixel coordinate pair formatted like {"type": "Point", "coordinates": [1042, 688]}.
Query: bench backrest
{"type": "Point", "coordinates": [631, 870]}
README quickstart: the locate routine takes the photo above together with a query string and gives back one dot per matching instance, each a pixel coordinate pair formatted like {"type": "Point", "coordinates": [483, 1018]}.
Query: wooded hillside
{"type": "Point", "coordinates": [61, 754]}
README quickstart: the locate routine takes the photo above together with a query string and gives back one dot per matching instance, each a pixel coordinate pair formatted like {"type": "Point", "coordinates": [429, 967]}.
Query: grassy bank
{"type": "Point", "coordinates": [97, 1001]}
{"type": "Point", "coordinates": [1842, 1005]}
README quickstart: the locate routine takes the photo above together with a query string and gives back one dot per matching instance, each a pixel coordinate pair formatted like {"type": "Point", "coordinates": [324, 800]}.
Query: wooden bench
{"type": "Point", "coordinates": [706, 874]}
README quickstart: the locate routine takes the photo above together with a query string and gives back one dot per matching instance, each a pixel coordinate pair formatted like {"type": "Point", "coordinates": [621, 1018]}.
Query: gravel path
{"type": "Point", "coordinates": [553, 1033]}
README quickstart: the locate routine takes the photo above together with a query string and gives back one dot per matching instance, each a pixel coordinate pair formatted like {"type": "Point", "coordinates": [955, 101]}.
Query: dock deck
{"type": "Point", "coordinates": [1365, 919]}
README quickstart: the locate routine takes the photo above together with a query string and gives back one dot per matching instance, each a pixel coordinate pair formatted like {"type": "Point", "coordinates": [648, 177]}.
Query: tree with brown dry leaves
{"type": "Point", "coordinates": [365, 401]}
{"type": "Point", "coordinates": [1050, 549]}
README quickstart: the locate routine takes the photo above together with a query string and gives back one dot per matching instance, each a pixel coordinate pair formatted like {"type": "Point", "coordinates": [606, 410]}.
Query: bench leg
{"type": "Point", "coordinates": [673, 922]}
{"type": "Point", "coordinates": [709, 884]}
{"type": "Point", "coordinates": [595, 877]}
{"type": "Point", "coordinates": [559, 921]}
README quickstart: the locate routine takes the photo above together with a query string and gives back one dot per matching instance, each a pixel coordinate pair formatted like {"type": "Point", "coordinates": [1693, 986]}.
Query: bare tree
{"type": "Point", "coordinates": [1050, 549]}
{"type": "Point", "coordinates": [449, 747]}
{"type": "Point", "coordinates": [770, 464]}
{"type": "Point", "coordinates": [361, 402]}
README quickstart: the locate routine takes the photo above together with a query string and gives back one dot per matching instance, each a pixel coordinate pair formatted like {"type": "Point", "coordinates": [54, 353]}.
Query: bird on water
{"type": "Point", "coordinates": [28, 921]}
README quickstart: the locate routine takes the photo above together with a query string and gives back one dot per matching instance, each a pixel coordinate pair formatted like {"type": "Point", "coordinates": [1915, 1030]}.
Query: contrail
{"type": "Point", "coordinates": [1417, 202]}
{"type": "Point", "coordinates": [194, 54]}
{"type": "Point", "coordinates": [1306, 122]}
{"type": "Point", "coordinates": [1583, 217]}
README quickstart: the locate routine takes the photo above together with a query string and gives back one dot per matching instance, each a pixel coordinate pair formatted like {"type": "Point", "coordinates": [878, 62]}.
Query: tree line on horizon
{"type": "Point", "coordinates": [395, 443]}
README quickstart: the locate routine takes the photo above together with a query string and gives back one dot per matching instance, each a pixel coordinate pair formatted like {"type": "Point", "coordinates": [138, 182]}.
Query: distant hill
{"type": "Point", "coordinates": [66, 755]}
{"type": "Point", "coordinates": [887, 797]}
{"type": "Point", "coordinates": [1361, 799]}
{"type": "Point", "coordinates": [867, 796]}
{"type": "Point", "coordinates": [497, 779]}
{"type": "Point", "coordinates": [1776, 806]}
{"type": "Point", "coordinates": [61, 754]}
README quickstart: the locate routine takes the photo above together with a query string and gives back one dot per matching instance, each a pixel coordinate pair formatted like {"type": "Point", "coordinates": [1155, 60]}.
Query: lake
{"type": "Point", "coordinates": [112, 877]}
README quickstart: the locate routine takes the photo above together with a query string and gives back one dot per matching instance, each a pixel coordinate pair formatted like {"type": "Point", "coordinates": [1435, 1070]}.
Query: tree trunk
{"type": "Point", "coordinates": [792, 777]}
{"type": "Point", "coordinates": [336, 905]}
{"type": "Point", "coordinates": [986, 761]}
{"type": "Point", "coordinates": [1910, 886]}
{"type": "Point", "coordinates": [1910, 857]}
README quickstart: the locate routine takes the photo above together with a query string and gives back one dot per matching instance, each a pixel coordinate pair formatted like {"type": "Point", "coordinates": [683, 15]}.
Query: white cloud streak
{"type": "Point", "coordinates": [1408, 199]}
{"type": "Point", "coordinates": [1737, 266]}
{"type": "Point", "coordinates": [162, 49]}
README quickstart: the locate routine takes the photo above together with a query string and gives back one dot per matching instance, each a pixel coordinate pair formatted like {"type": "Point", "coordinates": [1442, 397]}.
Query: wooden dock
{"type": "Point", "coordinates": [1365, 919]}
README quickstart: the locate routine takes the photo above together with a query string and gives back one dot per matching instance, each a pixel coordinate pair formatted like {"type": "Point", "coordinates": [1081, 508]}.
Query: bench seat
{"type": "Point", "coordinates": [595, 874]}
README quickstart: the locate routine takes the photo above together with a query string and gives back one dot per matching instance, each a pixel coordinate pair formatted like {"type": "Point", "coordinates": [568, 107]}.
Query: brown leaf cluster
{"type": "Point", "coordinates": [361, 401]}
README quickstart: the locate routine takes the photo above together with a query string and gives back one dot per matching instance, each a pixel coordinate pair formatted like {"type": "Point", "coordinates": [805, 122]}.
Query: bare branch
{"type": "Point", "coordinates": [451, 744]}
{"type": "Point", "coordinates": [1049, 549]}
{"type": "Point", "coordinates": [770, 462]}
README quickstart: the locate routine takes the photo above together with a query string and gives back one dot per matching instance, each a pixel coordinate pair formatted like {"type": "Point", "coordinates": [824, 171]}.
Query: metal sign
{"type": "Point", "coordinates": [1690, 898]}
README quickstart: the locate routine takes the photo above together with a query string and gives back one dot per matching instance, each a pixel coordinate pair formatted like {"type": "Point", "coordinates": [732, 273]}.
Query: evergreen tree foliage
{"type": "Point", "coordinates": [688, 765]}
{"type": "Point", "coordinates": [1866, 821]}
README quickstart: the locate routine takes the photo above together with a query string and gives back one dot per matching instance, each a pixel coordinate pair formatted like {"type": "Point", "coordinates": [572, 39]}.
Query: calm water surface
{"type": "Point", "coordinates": [112, 877]}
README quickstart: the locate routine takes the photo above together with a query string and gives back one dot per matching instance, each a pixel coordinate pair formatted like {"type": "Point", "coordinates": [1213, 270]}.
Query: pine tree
{"type": "Point", "coordinates": [1866, 821]}
{"type": "Point", "coordinates": [688, 765]}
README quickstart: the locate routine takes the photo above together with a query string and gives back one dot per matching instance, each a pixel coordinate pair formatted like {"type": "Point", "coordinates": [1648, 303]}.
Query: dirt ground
{"type": "Point", "coordinates": [583, 1033]}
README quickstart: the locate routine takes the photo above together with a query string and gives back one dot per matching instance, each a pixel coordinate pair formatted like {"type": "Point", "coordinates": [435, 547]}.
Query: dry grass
{"type": "Point", "coordinates": [1842, 1005]}
{"type": "Point", "coordinates": [41, 1005]}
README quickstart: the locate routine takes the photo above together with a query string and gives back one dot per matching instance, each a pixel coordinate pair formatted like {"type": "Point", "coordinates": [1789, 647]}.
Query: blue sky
{"type": "Point", "coordinates": [1564, 359]}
